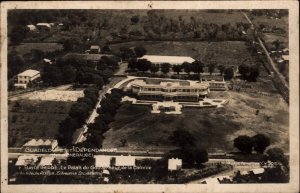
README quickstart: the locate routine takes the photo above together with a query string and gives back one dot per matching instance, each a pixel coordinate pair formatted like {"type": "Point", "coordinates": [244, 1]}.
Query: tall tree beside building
{"type": "Point", "coordinates": [165, 68]}
{"type": "Point", "coordinates": [221, 69]}
{"type": "Point", "coordinates": [154, 68]}
{"type": "Point", "coordinates": [211, 68]}
{"type": "Point", "coordinates": [197, 67]}
{"type": "Point", "coordinates": [177, 68]}
{"type": "Point", "coordinates": [228, 73]}
{"type": "Point", "coordinates": [143, 65]}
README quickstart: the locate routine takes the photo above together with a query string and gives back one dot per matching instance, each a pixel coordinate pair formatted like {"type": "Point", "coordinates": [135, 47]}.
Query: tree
{"type": "Point", "coordinates": [187, 67]}
{"type": "Point", "coordinates": [165, 67]}
{"type": "Point", "coordinates": [143, 65]}
{"type": "Point", "coordinates": [277, 155]}
{"type": "Point", "coordinates": [244, 144]}
{"type": "Point", "coordinates": [244, 70]}
{"type": "Point", "coordinates": [254, 73]}
{"type": "Point", "coordinates": [154, 68]}
{"type": "Point", "coordinates": [69, 73]}
{"type": "Point", "coordinates": [79, 111]}
{"type": "Point", "coordinates": [182, 138]}
{"type": "Point", "coordinates": [177, 68]}
{"type": "Point", "coordinates": [140, 51]}
{"type": "Point", "coordinates": [135, 19]}
{"type": "Point", "coordinates": [211, 68]}
{"type": "Point", "coordinates": [17, 34]}
{"type": "Point", "coordinates": [221, 69]}
{"type": "Point", "coordinates": [228, 73]}
{"type": "Point", "coordinates": [132, 63]}
{"type": "Point", "coordinates": [52, 75]}
{"type": "Point", "coordinates": [201, 156]}
{"type": "Point", "coordinates": [277, 44]}
{"type": "Point", "coordinates": [67, 44]}
{"type": "Point", "coordinates": [260, 142]}
{"type": "Point", "coordinates": [197, 67]}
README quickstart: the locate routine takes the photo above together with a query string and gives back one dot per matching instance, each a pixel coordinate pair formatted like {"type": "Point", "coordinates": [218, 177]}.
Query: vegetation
{"type": "Point", "coordinates": [77, 116]}
{"type": "Point", "coordinates": [246, 144]}
{"type": "Point", "coordinates": [107, 111]}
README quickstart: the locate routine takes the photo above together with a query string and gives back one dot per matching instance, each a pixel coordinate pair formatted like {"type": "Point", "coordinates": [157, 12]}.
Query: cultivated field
{"type": "Point", "coordinates": [224, 52]}
{"type": "Point", "coordinates": [214, 129]}
{"type": "Point", "coordinates": [34, 119]}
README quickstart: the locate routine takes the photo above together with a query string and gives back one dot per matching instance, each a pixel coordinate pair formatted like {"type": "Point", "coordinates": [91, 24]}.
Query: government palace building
{"type": "Point", "coordinates": [169, 89]}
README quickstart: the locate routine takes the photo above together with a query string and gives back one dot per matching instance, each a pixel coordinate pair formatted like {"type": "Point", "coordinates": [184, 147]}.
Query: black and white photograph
{"type": "Point", "coordinates": [150, 95]}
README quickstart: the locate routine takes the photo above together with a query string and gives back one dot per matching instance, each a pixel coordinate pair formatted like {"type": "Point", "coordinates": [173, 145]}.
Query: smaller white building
{"type": "Point", "coordinates": [46, 161]}
{"type": "Point", "coordinates": [26, 77]}
{"type": "Point", "coordinates": [95, 49]}
{"type": "Point", "coordinates": [258, 171]}
{"type": "Point", "coordinates": [102, 161]}
{"type": "Point", "coordinates": [125, 161]}
{"type": "Point", "coordinates": [31, 27]}
{"type": "Point", "coordinates": [25, 160]}
{"type": "Point", "coordinates": [43, 25]}
{"type": "Point", "coordinates": [174, 164]}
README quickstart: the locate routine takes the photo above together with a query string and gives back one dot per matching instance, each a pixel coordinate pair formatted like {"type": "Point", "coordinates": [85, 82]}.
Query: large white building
{"type": "Point", "coordinates": [173, 60]}
{"type": "Point", "coordinates": [169, 89]}
{"type": "Point", "coordinates": [26, 77]}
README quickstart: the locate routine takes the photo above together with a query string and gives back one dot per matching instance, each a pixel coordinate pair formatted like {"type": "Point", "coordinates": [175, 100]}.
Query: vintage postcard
{"type": "Point", "coordinates": [150, 96]}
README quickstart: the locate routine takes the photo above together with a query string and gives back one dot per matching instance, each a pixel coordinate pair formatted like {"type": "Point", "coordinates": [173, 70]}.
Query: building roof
{"type": "Point", "coordinates": [125, 161]}
{"type": "Point", "coordinates": [95, 47]}
{"type": "Point", "coordinates": [30, 73]}
{"type": "Point", "coordinates": [39, 142]}
{"type": "Point", "coordinates": [46, 161]}
{"type": "Point", "coordinates": [285, 57]}
{"type": "Point", "coordinates": [102, 161]}
{"type": "Point", "coordinates": [24, 160]}
{"type": "Point", "coordinates": [44, 24]}
{"type": "Point", "coordinates": [171, 83]}
{"type": "Point", "coordinates": [168, 59]}
{"type": "Point", "coordinates": [173, 164]}
{"type": "Point", "coordinates": [31, 26]}
{"type": "Point", "coordinates": [105, 172]}
{"type": "Point", "coordinates": [258, 171]}
{"type": "Point", "coordinates": [212, 181]}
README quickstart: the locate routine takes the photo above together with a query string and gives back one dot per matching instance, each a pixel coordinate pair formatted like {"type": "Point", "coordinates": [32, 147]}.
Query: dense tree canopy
{"type": "Point", "coordinates": [244, 143]}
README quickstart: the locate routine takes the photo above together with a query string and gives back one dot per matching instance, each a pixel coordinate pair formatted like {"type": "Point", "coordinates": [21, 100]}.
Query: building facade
{"type": "Point", "coordinates": [26, 77]}
{"type": "Point", "coordinates": [173, 60]}
{"type": "Point", "coordinates": [169, 90]}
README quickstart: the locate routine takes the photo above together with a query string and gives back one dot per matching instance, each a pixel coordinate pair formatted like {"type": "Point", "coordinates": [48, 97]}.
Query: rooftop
{"type": "Point", "coordinates": [46, 161]}
{"type": "Point", "coordinates": [258, 171]}
{"type": "Point", "coordinates": [26, 160]}
{"type": "Point", "coordinates": [168, 59]}
{"type": "Point", "coordinates": [44, 24]}
{"type": "Point", "coordinates": [30, 73]}
{"type": "Point", "coordinates": [173, 164]}
{"type": "Point", "coordinates": [39, 142]}
{"type": "Point", "coordinates": [102, 161]}
{"type": "Point", "coordinates": [125, 161]}
{"type": "Point", "coordinates": [94, 47]}
{"type": "Point", "coordinates": [169, 83]}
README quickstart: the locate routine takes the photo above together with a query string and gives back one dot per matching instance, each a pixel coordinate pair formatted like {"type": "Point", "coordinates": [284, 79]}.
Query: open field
{"type": "Point", "coordinates": [214, 129]}
{"type": "Point", "coordinates": [281, 23]}
{"type": "Point", "coordinates": [34, 119]}
{"type": "Point", "coordinates": [25, 48]}
{"type": "Point", "coordinates": [224, 52]}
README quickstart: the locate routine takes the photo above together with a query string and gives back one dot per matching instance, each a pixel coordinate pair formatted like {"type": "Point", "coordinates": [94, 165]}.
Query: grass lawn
{"type": "Point", "coordinates": [34, 119]}
{"type": "Point", "coordinates": [214, 129]}
{"type": "Point", "coordinates": [224, 52]}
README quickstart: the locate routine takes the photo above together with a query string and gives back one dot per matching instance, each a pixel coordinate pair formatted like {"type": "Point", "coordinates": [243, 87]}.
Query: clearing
{"type": "Point", "coordinates": [214, 129]}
